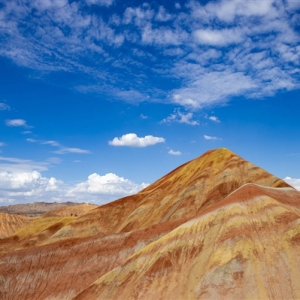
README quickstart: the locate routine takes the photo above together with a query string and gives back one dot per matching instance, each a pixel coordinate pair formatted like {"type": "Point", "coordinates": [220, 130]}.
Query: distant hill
{"type": "Point", "coordinates": [36, 208]}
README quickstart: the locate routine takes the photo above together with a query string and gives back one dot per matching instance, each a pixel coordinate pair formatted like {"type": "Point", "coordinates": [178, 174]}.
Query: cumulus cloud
{"type": "Point", "coordinates": [172, 152]}
{"type": "Point", "coordinates": [180, 117]}
{"type": "Point", "coordinates": [16, 123]}
{"type": "Point", "coordinates": [31, 186]}
{"type": "Point", "coordinates": [208, 137]}
{"type": "Point", "coordinates": [108, 184]}
{"type": "Point", "coordinates": [132, 140]}
{"type": "Point", "coordinates": [27, 183]}
{"type": "Point", "coordinates": [295, 182]}
{"type": "Point", "coordinates": [4, 106]}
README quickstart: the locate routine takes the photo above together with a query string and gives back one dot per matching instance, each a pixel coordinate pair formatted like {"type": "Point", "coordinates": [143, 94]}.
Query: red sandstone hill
{"type": "Point", "coordinates": [217, 227]}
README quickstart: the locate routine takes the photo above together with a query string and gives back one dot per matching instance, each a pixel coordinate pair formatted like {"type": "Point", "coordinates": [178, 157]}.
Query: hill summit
{"type": "Point", "coordinates": [217, 227]}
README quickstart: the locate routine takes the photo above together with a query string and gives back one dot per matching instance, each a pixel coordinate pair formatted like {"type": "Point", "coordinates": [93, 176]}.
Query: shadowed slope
{"type": "Point", "coordinates": [182, 193]}
{"type": "Point", "coordinates": [247, 245]}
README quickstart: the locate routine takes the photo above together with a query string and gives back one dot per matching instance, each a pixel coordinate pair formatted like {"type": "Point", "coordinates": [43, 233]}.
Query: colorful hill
{"type": "Point", "coordinates": [217, 227]}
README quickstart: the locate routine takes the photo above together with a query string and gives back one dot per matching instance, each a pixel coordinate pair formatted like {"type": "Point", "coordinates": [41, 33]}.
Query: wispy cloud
{"type": "Point", "coordinates": [99, 2]}
{"type": "Point", "coordinates": [2, 144]}
{"type": "Point", "coordinates": [12, 164]}
{"type": "Point", "coordinates": [4, 106]}
{"type": "Point", "coordinates": [65, 150]}
{"type": "Point", "coordinates": [17, 123]}
{"type": "Point", "coordinates": [214, 119]}
{"type": "Point", "coordinates": [172, 152]}
{"type": "Point", "coordinates": [209, 137]}
{"type": "Point", "coordinates": [62, 149]}
{"type": "Point", "coordinates": [180, 117]}
{"type": "Point", "coordinates": [132, 140]}
{"type": "Point", "coordinates": [213, 46]}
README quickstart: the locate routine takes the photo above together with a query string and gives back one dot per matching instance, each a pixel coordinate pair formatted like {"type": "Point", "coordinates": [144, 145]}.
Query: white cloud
{"type": "Point", "coordinates": [162, 15]}
{"type": "Point", "coordinates": [214, 119]}
{"type": "Point", "coordinates": [172, 152]}
{"type": "Point", "coordinates": [132, 140]}
{"type": "Point", "coordinates": [227, 11]}
{"type": "Point", "coordinates": [222, 37]}
{"type": "Point", "coordinates": [295, 182]}
{"type": "Point", "coordinates": [31, 186]}
{"type": "Point", "coordinates": [131, 96]}
{"type": "Point", "coordinates": [17, 165]}
{"type": "Point", "coordinates": [27, 182]}
{"type": "Point", "coordinates": [180, 117]}
{"type": "Point", "coordinates": [16, 123]}
{"type": "Point", "coordinates": [208, 137]}
{"type": "Point", "coordinates": [62, 149]}
{"type": "Point", "coordinates": [51, 143]}
{"type": "Point", "coordinates": [110, 184]}
{"type": "Point", "coordinates": [143, 116]}
{"type": "Point", "coordinates": [211, 88]}
{"type": "Point", "coordinates": [4, 106]}
{"type": "Point", "coordinates": [2, 144]}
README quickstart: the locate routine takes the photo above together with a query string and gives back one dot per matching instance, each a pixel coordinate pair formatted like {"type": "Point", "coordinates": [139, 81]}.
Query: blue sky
{"type": "Point", "coordinates": [99, 98]}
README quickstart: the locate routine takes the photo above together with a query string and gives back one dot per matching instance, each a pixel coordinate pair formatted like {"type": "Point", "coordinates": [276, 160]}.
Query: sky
{"type": "Point", "coordinates": [99, 98]}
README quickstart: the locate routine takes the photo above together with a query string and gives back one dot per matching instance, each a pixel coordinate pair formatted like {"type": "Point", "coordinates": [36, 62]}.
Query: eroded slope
{"type": "Point", "coordinates": [247, 246]}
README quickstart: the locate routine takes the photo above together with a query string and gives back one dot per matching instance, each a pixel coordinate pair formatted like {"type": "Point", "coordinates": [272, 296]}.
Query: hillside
{"type": "Point", "coordinates": [217, 227]}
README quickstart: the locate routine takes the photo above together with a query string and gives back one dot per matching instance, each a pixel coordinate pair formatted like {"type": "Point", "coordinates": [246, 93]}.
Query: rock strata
{"type": "Point", "coordinates": [217, 227]}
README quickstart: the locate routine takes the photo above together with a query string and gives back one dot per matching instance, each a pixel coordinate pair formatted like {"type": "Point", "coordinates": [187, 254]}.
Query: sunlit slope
{"type": "Point", "coordinates": [10, 223]}
{"type": "Point", "coordinates": [246, 246]}
{"type": "Point", "coordinates": [184, 192]}
{"type": "Point", "coordinates": [64, 269]}
{"type": "Point", "coordinates": [35, 232]}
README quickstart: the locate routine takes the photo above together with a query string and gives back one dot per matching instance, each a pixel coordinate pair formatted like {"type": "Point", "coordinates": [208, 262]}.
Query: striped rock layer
{"type": "Point", "coordinates": [217, 227]}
